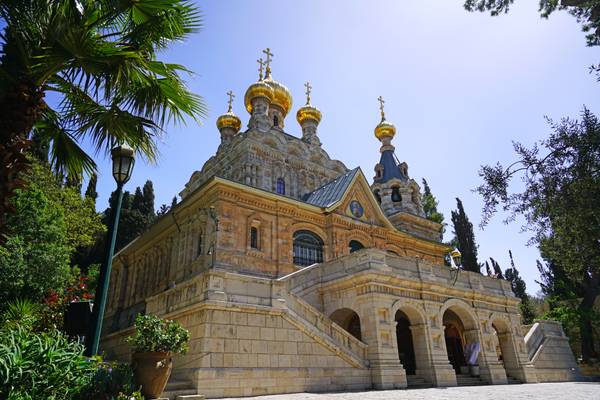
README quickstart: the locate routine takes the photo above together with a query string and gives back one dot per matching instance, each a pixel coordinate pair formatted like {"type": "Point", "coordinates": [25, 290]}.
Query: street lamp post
{"type": "Point", "coordinates": [455, 261]}
{"type": "Point", "coordinates": [123, 161]}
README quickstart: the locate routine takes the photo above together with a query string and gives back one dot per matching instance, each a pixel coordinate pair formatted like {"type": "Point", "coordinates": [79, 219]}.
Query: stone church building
{"type": "Point", "coordinates": [295, 273]}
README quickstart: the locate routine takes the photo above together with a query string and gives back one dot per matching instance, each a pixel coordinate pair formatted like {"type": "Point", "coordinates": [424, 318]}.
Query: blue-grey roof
{"type": "Point", "coordinates": [331, 192]}
{"type": "Point", "coordinates": [391, 169]}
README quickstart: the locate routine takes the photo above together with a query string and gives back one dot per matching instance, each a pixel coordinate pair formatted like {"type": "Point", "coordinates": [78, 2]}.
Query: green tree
{"type": "Point", "coordinates": [99, 58]}
{"type": "Point", "coordinates": [519, 288]}
{"type": "Point", "coordinates": [90, 191]}
{"type": "Point", "coordinates": [463, 230]}
{"type": "Point", "coordinates": [559, 201]}
{"type": "Point", "coordinates": [429, 204]}
{"type": "Point", "coordinates": [497, 270]}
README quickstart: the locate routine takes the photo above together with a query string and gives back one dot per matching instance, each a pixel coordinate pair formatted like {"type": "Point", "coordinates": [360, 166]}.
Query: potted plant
{"type": "Point", "coordinates": [154, 342]}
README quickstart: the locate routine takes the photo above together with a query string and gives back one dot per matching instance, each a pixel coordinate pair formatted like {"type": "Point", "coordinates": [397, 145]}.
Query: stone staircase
{"type": "Point", "coordinates": [180, 390]}
{"type": "Point", "coordinates": [468, 380]}
{"type": "Point", "coordinates": [513, 381]}
{"type": "Point", "coordinates": [416, 382]}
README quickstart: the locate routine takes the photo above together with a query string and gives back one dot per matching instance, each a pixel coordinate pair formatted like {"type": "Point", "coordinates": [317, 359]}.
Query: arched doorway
{"type": "Point", "coordinates": [349, 320]}
{"type": "Point", "coordinates": [454, 335]}
{"type": "Point", "coordinates": [505, 348]}
{"type": "Point", "coordinates": [355, 245]}
{"type": "Point", "coordinates": [406, 349]}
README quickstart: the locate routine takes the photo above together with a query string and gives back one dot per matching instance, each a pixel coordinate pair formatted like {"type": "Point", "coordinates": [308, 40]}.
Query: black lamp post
{"type": "Point", "coordinates": [123, 161]}
{"type": "Point", "coordinates": [455, 260]}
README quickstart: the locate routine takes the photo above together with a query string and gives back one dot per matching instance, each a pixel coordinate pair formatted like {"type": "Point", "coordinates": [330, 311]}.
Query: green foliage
{"type": "Point", "coordinates": [113, 381]}
{"type": "Point", "coordinates": [519, 288]}
{"type": "Point", "coordinates": [90, 191]}
{"type": "Point", "coordinates": [50, 222]}
{"type": "Point", "coordinates": [559, 201]}
{"type": "Point", "coordinates": [463, 230]}
{"type": "Point", "coordinates": [154, 334]}
{"type": "Point", "coordinates": [21, 313]}
{"type": "Point", "coordinates": [429, 204]}
{"type": "Point", "coordinates": [42, 366]}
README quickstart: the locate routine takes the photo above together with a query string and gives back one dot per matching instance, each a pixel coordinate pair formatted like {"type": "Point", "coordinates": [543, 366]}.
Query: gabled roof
{"type": "Point", "coordinates": [331, 192]}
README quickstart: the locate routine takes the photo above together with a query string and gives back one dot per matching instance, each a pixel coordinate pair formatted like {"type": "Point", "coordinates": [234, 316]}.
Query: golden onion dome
{"type": "Point", "coordinates": [258, 89]}
{"type": "Point", "coordinates": [229, 120]}
{"type": "Point", "coordinates": [308, 112]}
{"type": "Point", "coordinates": [282, 96]}
{"type": "Point", "coordinates": [385, 129]}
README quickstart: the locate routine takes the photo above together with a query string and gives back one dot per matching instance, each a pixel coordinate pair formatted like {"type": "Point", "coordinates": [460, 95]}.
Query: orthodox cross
{"type": "Point", "coordinates": [268, 53]}
{"type": "Point", "coordinates": [381, 102]}
{"type": "Point", "coordinates": [230, 101]}
{"type": "Point", "coordinates": [260, 68]}
{"type": "Point", "coordinates": [308, 88]}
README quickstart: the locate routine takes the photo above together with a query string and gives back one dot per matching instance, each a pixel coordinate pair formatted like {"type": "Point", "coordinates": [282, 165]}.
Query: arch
{"type": "Point", "coordinates": [361, 237]}
{"type": "Point", "coordinates": [355, 245]}
{"type": "Point", "coordinates": [460, 329]}
{"type": "Point", "coordinates": [396, 195]}
{"type": "Point", "coordinates": [308, 248]}
{"type": "Point", "coordinates": [505, 346]}
{"type": "Point", "coordinates": [377, 195]}
{"type": "Point", "coordinates": [463, 310]}
{"type": "Point", "coordinates": [349, 320]}
{"type": "Point", "coordinates": [404, 338]}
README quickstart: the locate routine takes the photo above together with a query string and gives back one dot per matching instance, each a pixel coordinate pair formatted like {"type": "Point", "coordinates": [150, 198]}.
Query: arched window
{"type": "Point", "coordinates": [308, 248]}
{"type": "Point", "coordinates": [355, 245]}
{"type": "Point", "coordinates": [396, 196]}
{"type": "Point", "coordinates": [254, 237]}
{"type": "Point", "coordinates": [377, 196]}
{"type": "Point", "coordinates": [199, 248]}
{"type": "Point", "coordinates": [275, 120]}
{"type": "Point", "coordinates": [280, 186]}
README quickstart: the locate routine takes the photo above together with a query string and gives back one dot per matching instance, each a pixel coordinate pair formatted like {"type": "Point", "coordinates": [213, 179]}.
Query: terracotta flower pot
{"type": "Point", "coordinates": [152, 371]}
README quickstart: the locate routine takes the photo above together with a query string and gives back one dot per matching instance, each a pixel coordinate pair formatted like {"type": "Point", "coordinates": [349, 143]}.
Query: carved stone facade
{"type": "Point", "coordinates": [293, 273]}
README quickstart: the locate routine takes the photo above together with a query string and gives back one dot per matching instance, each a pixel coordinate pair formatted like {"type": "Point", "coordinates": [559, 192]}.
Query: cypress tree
{"type": "Point", "coordinates": [173, 202]}
{"type": "Point", "coordinates": [519, 288]}
{"type": "Point", "coordinates": [147, 205]}
{"type": "Point", "coordinates": [429, 204]}
{"type": "Point", "coordinates": [463, 229]}
{"type": "Point", "coordinates": [90, 191]}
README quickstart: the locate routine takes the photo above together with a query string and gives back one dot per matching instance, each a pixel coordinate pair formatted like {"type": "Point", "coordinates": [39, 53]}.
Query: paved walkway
{"type": "Point", "coordinates": [542, 391]}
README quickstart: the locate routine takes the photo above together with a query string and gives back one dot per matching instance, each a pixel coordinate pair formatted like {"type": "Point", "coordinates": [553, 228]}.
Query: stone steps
{"type": "Point", "coordinates": [416, 382]}
{"type": "Point", "coordinates": [513, 381]}
{"type": "Point", "coordinates": [180, 390]}
{"type": "Point", "coordinates": [466, 380]}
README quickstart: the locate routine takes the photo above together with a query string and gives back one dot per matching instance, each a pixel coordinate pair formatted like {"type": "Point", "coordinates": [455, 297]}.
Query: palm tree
{"type": "Point", "coordinates": [98, 59]}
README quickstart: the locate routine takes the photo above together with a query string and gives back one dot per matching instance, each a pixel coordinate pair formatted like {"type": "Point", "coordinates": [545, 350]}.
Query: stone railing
{"type": "Point", "coordinates": [326, 326]}
{"type": "Point", "coordinates": [539, 332]}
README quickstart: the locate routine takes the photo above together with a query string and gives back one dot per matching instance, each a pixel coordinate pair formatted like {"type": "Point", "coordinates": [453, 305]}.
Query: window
{"type": "Point", "coordinates": [308, 248]}
{"type": "Point", "coordinates": [377, 196]}
{"type": "Point", "coordinates": [199, 248]}
{"type": "Point", "coordinates": [254, 237]}
{"type": "Point", "coordinates": [275, 120]}
{"type": "Point", "coordinates": [396, 196]}
{"type": "Point", "coordinates": [280, 189]}
{"type": "Point", "coordinates": [355, 245]}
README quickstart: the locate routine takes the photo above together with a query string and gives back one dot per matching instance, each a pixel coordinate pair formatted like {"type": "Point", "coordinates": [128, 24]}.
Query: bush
{"type": "Point", "coordinates": [42, 366]}
{"type": "Point", "coordinates": [113, 381]}
{"type": "Point", "coordinates": [153, 334]}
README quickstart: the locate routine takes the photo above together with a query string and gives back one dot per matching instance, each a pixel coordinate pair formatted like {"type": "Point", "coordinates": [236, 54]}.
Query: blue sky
{"type": "Point", "coordinates": [458, 86]}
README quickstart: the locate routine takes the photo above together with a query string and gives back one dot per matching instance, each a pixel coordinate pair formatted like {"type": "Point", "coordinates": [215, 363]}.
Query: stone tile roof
{"type": "Point", "coordinates": [331, 192]}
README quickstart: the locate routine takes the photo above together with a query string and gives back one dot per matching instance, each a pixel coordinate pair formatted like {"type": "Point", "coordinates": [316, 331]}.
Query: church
{"type": "Point", "coordinates": [295, 273]}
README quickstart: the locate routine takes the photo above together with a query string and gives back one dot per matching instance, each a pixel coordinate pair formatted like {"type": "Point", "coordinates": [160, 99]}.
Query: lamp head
{"type": "Point", "coordinates": [123, 161]}
{"type": "Point", "coordinates": [456, 257]}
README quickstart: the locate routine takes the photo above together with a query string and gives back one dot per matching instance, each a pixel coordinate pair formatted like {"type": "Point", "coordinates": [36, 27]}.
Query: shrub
{"type": "Point", "coordinates": [153, 334]}
{"type": "Point", "coordinates": [113, 381]}
{"type": "Point", "coordinates": [42, 366]}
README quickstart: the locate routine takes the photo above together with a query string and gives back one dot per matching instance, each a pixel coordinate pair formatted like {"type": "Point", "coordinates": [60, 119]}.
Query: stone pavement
{"type": "Point", "coordinates": [545, 391]}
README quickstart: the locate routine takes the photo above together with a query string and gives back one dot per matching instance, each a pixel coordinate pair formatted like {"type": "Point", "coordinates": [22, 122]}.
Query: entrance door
{"type": "Point", "coordinates": [454, 347]}
{"type": "Point", "coordinates": [406, 351]}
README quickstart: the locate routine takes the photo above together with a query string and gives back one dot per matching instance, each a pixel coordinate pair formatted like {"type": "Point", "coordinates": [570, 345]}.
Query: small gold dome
{"type": "Point", "coordinates": [385, 129]}
{"type": "Point", "coordinates": [282, 98]}
{"type": "Point", "coordinates": [229, 120]}
{"type": "Point", "coordinates": [258, 89]}
{"type": "Point", "coordinates": [308, 112]}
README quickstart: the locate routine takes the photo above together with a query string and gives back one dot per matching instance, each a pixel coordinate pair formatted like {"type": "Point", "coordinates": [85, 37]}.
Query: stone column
{"type": "Point", "coordinates": [422, 349]}
{"type": "Point", "coordinates": [442, 373]}
{"type": "Point", "coordinates": [379, 334]}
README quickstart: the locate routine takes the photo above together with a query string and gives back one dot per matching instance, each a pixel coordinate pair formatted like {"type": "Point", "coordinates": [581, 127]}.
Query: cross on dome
{"type": "Point", "coordinates": [268, 53]}
{"type": "Point", "coordinates": [308, 89]}
{"type": "Point", "coordinates": [230, 101]}
{"type": "Point", "coordinates": [260, 68]}
{"type": "Point", "coordinates": [381, 103]}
